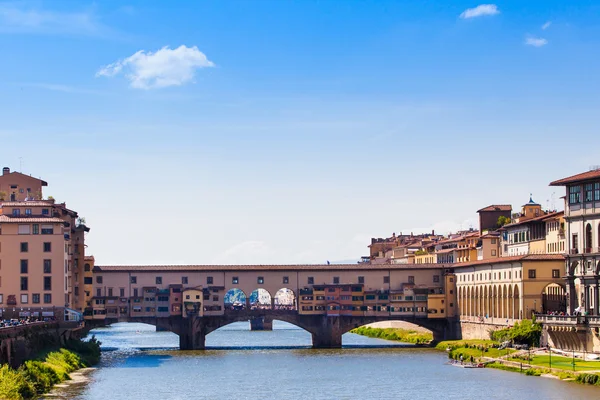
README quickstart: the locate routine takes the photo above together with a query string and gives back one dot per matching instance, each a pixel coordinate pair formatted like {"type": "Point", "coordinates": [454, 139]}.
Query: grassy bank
{"type": "Point", "coordinates": [472, 348]}
{"type": "Point", "coordinates": [395, 334]}
{"type": "Point", "coordinates": [36, 377]}
{"type": "Point", "coordinates": [559, 362]}
{"type": "Point", "coordinates": [540, 364]}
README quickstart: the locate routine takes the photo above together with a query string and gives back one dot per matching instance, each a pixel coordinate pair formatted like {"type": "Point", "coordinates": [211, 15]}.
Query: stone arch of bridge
{"type": "Point", "coordinates": [326, 331]}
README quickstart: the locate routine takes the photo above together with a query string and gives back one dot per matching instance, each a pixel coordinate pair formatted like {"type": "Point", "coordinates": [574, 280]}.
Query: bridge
{"type": "Point", "coordinates": [326, 331]}
{"type": "Point", "coordinates": [325, 300]}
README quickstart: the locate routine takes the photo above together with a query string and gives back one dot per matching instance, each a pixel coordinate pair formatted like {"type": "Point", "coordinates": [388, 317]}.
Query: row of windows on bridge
{"type": "Point", "coordinates": [367, 297]}
{"type": "Point", "coordinates": [335, 307]}
{"type": "Point", "coordinates": [304, 308]}
{"type": "Point", "coordinates": [261, 280]}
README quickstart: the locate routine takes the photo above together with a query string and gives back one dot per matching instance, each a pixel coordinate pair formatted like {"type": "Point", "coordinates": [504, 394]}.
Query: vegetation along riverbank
{"type": "Point", "coordinates": [537, 362]}
{"type": "Point", "coordinates": [39, 375]}
{"type": "Point", "coordinates": [395, 334]}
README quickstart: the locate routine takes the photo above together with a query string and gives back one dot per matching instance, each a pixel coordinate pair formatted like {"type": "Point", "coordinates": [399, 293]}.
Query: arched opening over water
{"type": "Point", "coordinates": [260, 299]}
{"type": "Point", "coordinates": [134, 335]}
{"type": "Point", "coordinates": [387, 333]}
{"type": "Point", "coordinates": [235, 299]}
{"type": "Point", "coordinates": [285, 299]}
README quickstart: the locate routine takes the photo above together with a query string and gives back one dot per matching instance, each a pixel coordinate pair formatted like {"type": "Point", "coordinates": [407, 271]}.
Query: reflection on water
{"type": "Point", "coordinates": [280, 364]}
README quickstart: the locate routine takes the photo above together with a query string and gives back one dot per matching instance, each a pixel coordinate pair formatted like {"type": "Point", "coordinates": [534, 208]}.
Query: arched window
{"type": "Point", "coordinates": [588, 238]}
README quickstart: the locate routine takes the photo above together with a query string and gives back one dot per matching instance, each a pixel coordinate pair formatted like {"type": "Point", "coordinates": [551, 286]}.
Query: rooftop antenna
{"type": "Point", "coordinates": [553, 201]}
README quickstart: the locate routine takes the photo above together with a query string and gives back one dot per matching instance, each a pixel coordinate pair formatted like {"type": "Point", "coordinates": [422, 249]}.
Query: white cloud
{"type": "Point", "coordinates": [546, 25]}
{"type": "Point", "coordinates": [535, 42]}
{"type": "Point", "coordinates": [24, 18]}
{"type": "Point", "coordinates": [163, 68]}
{"type": "Point", "coordinates": [479, 11]}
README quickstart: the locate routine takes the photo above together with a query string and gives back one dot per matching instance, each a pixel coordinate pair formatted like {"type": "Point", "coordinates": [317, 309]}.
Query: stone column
{"type": "Point", "coordinates": [596, 297]}
{"type": "Point", "coordinates": [586, 295]}
{"type": "Point", "coordinates": [571, 294]}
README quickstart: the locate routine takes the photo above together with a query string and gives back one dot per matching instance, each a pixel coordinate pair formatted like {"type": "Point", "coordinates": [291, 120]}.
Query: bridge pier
{"type": "Point", "coordinates": [192, 335]}
{"type": "Point", "coordinates": [261, 324]}
{"type": "Point", "coordinates": [328, 334]}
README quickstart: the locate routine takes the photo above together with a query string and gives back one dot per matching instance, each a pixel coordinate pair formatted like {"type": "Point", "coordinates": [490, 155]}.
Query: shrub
{"type": "Point", "coordinates": [533, 372]}
{"type": "Point", "coordinates": [41, 376]}
{"type": "Point", "coordinates": [14, 385]}
{"type": "Point", "coordinates": [590, 379]}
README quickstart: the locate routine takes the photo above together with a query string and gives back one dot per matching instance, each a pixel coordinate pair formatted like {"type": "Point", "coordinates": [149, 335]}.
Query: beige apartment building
{"type": "Point", "coordinates": [42, 246]}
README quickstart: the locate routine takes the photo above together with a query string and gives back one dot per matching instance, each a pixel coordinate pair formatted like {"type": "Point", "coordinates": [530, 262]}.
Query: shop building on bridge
{"type": "Point", "coordinates": [425, 290]}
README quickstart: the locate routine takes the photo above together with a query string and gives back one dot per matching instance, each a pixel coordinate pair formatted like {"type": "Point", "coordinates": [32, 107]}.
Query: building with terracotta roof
{"type": "Point", "coordinates": [526, 233]}
{"type": "Point", "coordinates": [493, 294]}
{"type": "Point", "coordinates": [488, 216]}
{"type": "Point", "coordinates": [582, 234]}
{"type": "Point", "coordinates": [16, 186]}
{"type": "Point", "coordinates": [42, 248]}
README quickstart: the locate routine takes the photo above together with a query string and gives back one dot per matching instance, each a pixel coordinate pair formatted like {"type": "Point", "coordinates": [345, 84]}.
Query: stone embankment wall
{"type": "Point", "coordinates": [478, 330]}
{"type": "Point", "coordinates": [21, 343]}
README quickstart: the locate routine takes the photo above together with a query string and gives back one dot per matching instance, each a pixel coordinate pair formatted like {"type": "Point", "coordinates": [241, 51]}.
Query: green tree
{"type": "Point", "coordinates": [502, 220]}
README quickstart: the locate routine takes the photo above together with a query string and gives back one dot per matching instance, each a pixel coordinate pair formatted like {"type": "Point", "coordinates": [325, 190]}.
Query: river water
{"type": "Point", "coordinates": [139, 363]}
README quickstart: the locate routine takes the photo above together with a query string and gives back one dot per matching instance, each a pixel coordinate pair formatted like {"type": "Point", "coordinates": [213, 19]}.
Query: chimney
{"type": "Point", "coordinates": [433, 232]}
{"type": "Point", "coordinates": [5, 171]}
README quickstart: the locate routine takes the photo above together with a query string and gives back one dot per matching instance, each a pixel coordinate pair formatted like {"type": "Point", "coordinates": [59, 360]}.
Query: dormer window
{"type": "Point", "coordinates": [45, 211]}
{"type": "Point", "coordinates": [28, 211]}
{"type": "Point", "coordinates": [16, 212]}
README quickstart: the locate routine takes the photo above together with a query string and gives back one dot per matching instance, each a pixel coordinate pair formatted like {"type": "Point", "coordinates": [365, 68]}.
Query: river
{"type": "Point", "coordinates": [139, 363]}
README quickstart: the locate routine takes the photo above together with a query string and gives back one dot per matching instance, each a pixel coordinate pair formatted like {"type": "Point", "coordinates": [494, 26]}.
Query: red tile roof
{"type": "Point", "coordinates": [528, 257]}
{"type": "Point", "coordinates": [241, 268]}
{"type": "Point", "coordinates": [535, 219]}
{"type": "Point", "coordinates": [32, 203]}
{"type": "Point", "coordinates": [584, 176]}
{"type": "Point", "coordinates": [497, 207]}
{"type": "Point", "coordinates": [14, 173]}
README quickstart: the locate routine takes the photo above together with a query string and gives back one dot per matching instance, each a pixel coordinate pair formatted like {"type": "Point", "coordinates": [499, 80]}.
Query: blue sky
{"type": "Point", "coordinates": [293, 131]}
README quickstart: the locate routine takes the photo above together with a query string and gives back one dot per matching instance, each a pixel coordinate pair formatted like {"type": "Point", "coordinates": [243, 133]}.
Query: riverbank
{"type": "Point", "coordinates": [38, 376]}
{"type": "Point", "coordinates": [395, 334]}
{"type": "Point", "coordinates": [489, 352]}
{"type": "Point", "coordinates": [524, 362]}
